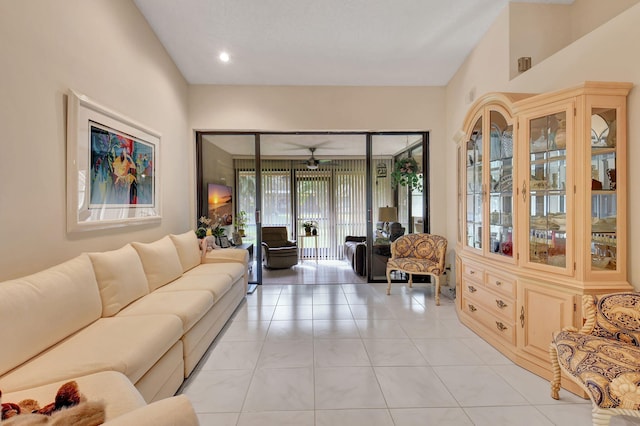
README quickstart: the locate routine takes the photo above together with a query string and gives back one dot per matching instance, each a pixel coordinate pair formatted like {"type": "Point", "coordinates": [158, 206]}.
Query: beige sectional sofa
{"type": "Point", "coordinates": [147, 312]}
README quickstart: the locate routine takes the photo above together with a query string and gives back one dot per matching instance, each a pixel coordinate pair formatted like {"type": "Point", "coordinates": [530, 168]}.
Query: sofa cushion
{"type": "Point", "coordinates": [120, 277]}
{"type": "Point", "coordinates": [128, 344]}
{"type": "Point", "coordinates": [66, 294]}
{"type": "Point", "coordinates": [188, 249]}
{"type": "Point", "coordinates": [117, 392]}
{"type": "Point", "coordinates": [233, 270]}
{"type": "Point", "coordinates": [160, 261]}
{"type": "Point", "coordinates": [189, 306]}
{"type": "Point", "coordinates": [217, 285]}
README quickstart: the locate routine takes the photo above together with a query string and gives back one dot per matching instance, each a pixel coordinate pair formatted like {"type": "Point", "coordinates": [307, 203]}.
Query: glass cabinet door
{"type": "Point", "coordinates": [501, 185]}
{"type": "Point", "coordinates": [474, 187]}
{"type": "Point", "coordinates": [603, 189]}
{"type": "Point", "coordinates": [547, 190]}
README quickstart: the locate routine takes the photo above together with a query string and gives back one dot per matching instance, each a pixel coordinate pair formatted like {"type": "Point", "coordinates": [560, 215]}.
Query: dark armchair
{"type": "Point", "coordinates": [278, 252]}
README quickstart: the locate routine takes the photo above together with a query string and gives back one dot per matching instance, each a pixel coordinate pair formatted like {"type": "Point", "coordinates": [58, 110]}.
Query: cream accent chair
{"type": "Point", "coordinates": [603, 357]}
{"type": "Point", "coordinates": [418, 254]}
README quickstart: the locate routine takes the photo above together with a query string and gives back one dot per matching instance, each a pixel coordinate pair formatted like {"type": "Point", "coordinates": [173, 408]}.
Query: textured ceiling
{"type": "Point", "coordinates": [321, 42]}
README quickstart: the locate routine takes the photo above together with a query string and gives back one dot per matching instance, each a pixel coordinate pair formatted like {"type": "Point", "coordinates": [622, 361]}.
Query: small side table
{"type": "Point", "coordinates": [248, 247]}
{"type": "Point", "coordinates": [301, 239]}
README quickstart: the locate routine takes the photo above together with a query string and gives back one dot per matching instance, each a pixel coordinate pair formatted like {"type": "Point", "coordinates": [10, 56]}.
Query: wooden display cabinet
{"type": "Point", "coordinates": [542, 215]}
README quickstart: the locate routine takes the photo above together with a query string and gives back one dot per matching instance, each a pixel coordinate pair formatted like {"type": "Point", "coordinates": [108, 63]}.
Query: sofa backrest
{"type": "Point", "coordinates": [160, 261]}
{"type": "Point", "coordinates": [121, 278]}
{"type": "Point", "coordinates": [188, 248]}
{"type": "Point", "coordinates": [39, 310]}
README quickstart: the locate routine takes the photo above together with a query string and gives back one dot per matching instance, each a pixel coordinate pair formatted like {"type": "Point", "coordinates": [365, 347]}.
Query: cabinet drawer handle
{"type": "Point", "coordinates": [522, 316]}
{"type": "Point", "coordinates": [500, 326]}
{"type": "Point", "coordinates": [524, 190]}
{"type": "Point", "coordinates": [472, 308]}
{"type": "Point", "coordinates": [472, 272]}
{"type": "Point", "coordinates": [498, 282]}
{"type": "Point", "coordinates": [472, 289]}
{"type": "Point", "coordinates": [501, 304]}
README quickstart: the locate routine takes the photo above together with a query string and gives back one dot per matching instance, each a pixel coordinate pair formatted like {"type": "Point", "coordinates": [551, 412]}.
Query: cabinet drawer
{"type": "Point", "coordinates": [500, 327]}
{"type": "Point", "coordinates": [496, 304]}
{"type": "Point", "coordinates": [501, 285]}
{"type": "Point", "coordinates": [472, 271]}
{"type": "Point", "coordinates": [470, 286]}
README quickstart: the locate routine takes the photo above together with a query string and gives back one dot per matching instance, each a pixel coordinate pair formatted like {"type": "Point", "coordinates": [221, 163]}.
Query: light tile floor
{"type": "Point", "coordinates": [310, 271]}
{"type": "Point", "coordinates": [350, 355]}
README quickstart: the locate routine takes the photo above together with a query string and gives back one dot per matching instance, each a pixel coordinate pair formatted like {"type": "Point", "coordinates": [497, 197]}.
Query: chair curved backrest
{"type": "Point", "coordinates": [276, 236]}
{"type": "Point", "coordinates": [421, 246]}
{"type": "Point", "coordinates": [278, 251]}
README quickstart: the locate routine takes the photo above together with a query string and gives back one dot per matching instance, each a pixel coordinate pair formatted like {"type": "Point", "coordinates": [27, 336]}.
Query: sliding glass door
{"type": "Point", "coordinates": [228, 184]}
{"type": "Point", "coordinates": [347, 184]}
{"type": "Point", "coordinates": [399, 188]}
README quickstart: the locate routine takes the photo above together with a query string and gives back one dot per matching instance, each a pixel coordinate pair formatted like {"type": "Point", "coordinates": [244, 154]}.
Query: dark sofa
{"type": "Point", "coordinates": [355, 251]}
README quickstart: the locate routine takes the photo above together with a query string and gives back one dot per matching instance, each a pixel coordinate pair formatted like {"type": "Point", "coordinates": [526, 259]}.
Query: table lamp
{"type": "Point", "coordinates": [386, 215]}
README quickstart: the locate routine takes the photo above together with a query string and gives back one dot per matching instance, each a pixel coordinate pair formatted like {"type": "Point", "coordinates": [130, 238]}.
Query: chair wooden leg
{"type": "Point", "coordinates": [388, 282]}
{"type": "Point", "coordinates": [437, 291]}
{"type": "Point", "coordinates": [410, 280]}
{"type": "Point", "coordinates": [555, 366]}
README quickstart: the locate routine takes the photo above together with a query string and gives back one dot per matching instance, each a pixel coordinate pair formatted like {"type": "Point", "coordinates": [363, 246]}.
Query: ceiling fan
{"type": "Point", "coordinates": [312, 163]}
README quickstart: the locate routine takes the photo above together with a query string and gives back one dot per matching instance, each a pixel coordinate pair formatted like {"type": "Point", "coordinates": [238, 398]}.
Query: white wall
{"type": "Point", "coordinates": [540, 30]}
{"type": "Point", "coordinates": [606, 54]}
{"type": "Point", "coordinates": [288, 108]}
{"type": "Point", "coordinates": [537, 31]}
{"type": "Point", "coordinates": [586, 15]}
{"type": "Point", "coordinates": [106, 50]}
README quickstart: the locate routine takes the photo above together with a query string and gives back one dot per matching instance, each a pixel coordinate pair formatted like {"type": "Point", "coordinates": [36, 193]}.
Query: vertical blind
{"type": "Point", "coordinates": [333, 196]}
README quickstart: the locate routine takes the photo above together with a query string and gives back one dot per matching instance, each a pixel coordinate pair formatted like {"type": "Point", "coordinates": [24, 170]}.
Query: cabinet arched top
{"type": "Point", "coordinates": [499, 99]}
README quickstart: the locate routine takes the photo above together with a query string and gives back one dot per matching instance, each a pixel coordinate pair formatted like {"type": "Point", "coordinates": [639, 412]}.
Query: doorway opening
{"type": "Point", "coordinates": [338, 181]}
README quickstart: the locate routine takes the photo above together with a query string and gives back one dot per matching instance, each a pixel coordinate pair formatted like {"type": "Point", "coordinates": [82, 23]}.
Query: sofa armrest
{"type": "Point", "coordinates": [176, 410]}
{"type": "Point", "coordinates": [226, 255]}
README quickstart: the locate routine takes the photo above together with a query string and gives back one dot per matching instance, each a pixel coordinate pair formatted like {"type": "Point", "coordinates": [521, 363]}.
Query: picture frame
{"type": "Point", "coordinates": [113, 177]}
{"type": "Point", "coordinates": [236, 238]}
{"type": "Point", "coordinates": [224, 241]}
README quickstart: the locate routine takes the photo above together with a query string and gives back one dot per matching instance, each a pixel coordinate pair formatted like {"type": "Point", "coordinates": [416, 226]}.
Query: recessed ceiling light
{"type": "Point", "coordinates": [224, 57]}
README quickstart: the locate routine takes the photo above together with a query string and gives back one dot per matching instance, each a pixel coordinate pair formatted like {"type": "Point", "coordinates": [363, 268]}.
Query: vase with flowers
{"type": "Point", "coordinates": [309, 226]}
{"type": "Point", "coordinates": [204, 227]}
{"type": "Point", "coordinates": [405, 173]}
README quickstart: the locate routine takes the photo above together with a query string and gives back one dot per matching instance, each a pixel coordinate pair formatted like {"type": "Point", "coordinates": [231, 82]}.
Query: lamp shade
{"type": "Point", "coordinates": [387, 214]}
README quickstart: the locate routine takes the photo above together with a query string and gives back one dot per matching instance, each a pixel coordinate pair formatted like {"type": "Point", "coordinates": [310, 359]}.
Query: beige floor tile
{"type": "Point", "coordinates": [289, 357]}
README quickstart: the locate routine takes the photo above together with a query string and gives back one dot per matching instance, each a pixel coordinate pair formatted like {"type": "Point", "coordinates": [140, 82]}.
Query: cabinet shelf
{"type": "Point", "coordinates": [547, 160]}
{"type": "Point", "coordinates": [597, 150]}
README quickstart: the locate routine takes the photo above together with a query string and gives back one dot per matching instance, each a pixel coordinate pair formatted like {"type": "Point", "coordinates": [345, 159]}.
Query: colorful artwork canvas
{"type": "Point", "coordinates": [122, 169]}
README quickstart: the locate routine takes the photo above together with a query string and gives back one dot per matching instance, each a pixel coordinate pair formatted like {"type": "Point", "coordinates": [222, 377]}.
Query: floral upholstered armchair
{"type": "Point", "coordinates": [418, 254]}
{"type": "Point", "coordinates": [604, 356]}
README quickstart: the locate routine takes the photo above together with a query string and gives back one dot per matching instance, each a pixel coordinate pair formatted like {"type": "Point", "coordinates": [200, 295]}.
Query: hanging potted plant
{"type": "Point", "coordinates": [405, 173]}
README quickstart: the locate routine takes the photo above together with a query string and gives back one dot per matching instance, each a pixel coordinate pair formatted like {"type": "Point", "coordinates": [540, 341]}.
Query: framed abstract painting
{"type": "Point", "coordinates": [112, 168]}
